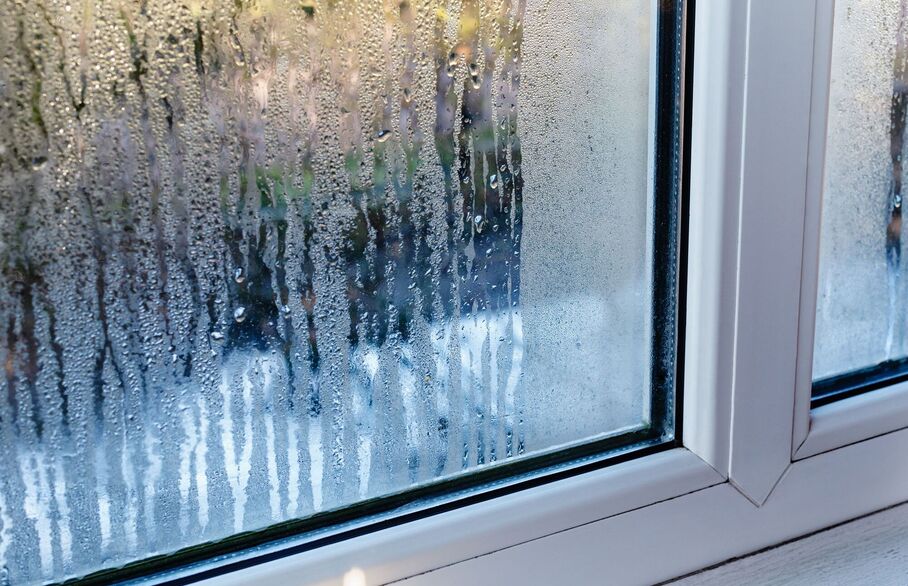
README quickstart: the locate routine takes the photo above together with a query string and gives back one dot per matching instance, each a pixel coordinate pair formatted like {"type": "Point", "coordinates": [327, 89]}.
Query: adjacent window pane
{"type": "Point", "coordinates": [862, 304]}
{"type": "Point", "coordinates": [266, 259]}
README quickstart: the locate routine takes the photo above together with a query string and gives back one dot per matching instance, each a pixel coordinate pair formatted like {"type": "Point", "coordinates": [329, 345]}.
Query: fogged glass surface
{"type": "Point", "coordinates": [263, 259]}
{"type": "Point", "coordinates": [862, 299]}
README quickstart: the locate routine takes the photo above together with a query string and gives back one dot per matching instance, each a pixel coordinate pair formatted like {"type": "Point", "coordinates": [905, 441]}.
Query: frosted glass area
{"type": "Point", "coordinates": [863, 301]}
{"type": "Point", "coordinates": [262, 259]}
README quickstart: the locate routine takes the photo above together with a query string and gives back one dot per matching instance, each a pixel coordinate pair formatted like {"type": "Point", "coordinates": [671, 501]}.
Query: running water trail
{"type": "Point", "coordinates": [897, 127]}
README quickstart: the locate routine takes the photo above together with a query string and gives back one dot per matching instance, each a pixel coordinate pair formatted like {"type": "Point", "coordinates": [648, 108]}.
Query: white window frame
{"type": "Point", "coordinates": [758, 466]}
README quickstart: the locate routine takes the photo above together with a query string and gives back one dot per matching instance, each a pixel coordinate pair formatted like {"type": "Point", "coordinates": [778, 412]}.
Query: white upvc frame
{"type": "Point", "coordinates": [757, 466]}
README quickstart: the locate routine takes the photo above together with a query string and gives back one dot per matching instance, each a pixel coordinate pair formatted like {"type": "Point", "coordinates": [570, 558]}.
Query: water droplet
{"type": "Point", "coordinates": [285, 310]}
{"type": "Point", "coordinates": [39, 163]}
{"type": "Point", "coordinates": [476, 82]}
{"type": "Point", "coordinates": [474, 70]}
{"type": "Point", "coordinates": [449, 70]}
{"type": "Point", "coordinates": [478, 219]}
{"type": "Point", "coordinates": [239, 314]}
{"type": "Point", "coordinates": [239, 275]}
{"type": "Point", "coordinates": [408, 96]}
{"type": "Point", "coordinates": [383, 135]}
{"type": "Point", "coordinates": [493, 181]}
{"type": "Point", "coordinates": [217, 336]}
{"type": "Point", "coordinates": [452, 59]}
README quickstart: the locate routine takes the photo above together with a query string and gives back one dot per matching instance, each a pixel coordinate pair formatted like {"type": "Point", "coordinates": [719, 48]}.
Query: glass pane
{"type": "Point", "coordinates": [862, 306]}
{"type": "Point", "coordinates": [266, 259]}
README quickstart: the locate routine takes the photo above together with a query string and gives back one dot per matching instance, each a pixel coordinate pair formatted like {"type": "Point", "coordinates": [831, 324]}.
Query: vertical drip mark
{"type": "Point", "coordinates": [152, 474]}
{"type": "Point", "coordinates": [6, 536]}
{"type": "Point", "coordinates": [293, 470]}
{"type": "Point", "coordinates": [175, 118]}
{"type": "Point", "coordinates": [152, 446]}
{"type": "Point", "coordinates": [140, 68]}
{"type": "Point", "coordinates": [61, 513]}
{"type": "Point", "coordinates": [363, 369]}
{"type": "Point", "coordinates": [409, 277]}
{"type": "Point", "coordinates": [473, 219]}
{"type": "Point", "coordinates": [237, 457]}
{"type": "Point", "coordinates": [316, 461]}
{"type": "Point", "coordinates": [57, 350]}
{"type": "Point", "coordinates": [513, 182]}
{"type": "Point", "coordinates": [271, 367]}
{"type": "Point", "coordinates": [898, 112]}
{"type": "Point", "coordinates": [185, 477]}
{"type": "Point", "coordinates": [441, 350]}
{"type": "Point", "coordinates": [364, 250]}
{"type": "Point", "coordinates": [201, 466]}
{"type": "Point", "coordinates": [131, 488]}
{"type": "Point", "coordinates": [306, 215]}
{"type": "Point", "coordinates": [29, 352]}
{"type": "Point", "coordinates": [34, 477]}
{"type": "Point", "coordinates": [447, 271]}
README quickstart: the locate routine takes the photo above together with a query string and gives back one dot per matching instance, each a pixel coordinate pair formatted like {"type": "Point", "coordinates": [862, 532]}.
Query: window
{"type": "Point", "coordinates": [302, 263]}
{"type": "Point", "coordinates": [301, 160]}
{"type": "Point", "coordinates": [860, 329]}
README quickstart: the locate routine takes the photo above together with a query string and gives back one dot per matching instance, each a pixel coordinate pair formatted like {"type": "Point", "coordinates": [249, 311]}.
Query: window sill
{"type": "Point", "coordinates": [855, 419]}
{"type": "Point", "coordinates": [702, 528]}
{"type": "Point", "coordinates": [441, 540]}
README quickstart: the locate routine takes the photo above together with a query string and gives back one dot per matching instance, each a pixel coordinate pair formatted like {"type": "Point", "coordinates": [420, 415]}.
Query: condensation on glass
{"type": "Point", "coordinates": [862, 305]}
{"type": "Point", "coordinates": [264, 259]}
